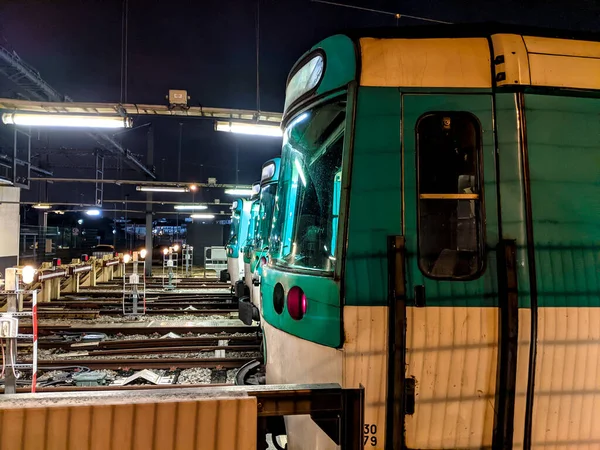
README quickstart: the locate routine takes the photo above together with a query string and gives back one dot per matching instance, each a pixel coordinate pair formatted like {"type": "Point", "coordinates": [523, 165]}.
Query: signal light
{"type": "Point", "coordinates": [296, 303]}
{"type": "Point", "coordinates": [28, 273]}
{"type": "Point", "coordinates": [85, 258]}
{"type": "Point", "coordinates": [56, 262]}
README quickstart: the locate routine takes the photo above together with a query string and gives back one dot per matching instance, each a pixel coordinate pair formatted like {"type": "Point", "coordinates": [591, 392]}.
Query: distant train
{"type": "Point", "coordinates": [255, 251]}
{"type": "Point", "coordinates": [240, 215]}
{"type": "Point", "coordinates": [436, 237]}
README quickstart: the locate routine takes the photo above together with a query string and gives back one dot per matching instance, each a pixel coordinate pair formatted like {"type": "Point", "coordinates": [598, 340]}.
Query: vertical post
{"type": "Point", "coordinates": [149, 161]}
{"type": "Point", "coordinates": [10, 381]}
{"type": "Point", "coordinates": [34, 323]}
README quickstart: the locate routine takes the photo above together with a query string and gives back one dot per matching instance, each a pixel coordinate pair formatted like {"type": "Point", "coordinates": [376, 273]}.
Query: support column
{"type": "Point", "coordinates": [55, 293]}
{"type": "Point", "coordinates": [149, 243]}
{"type": "Point", "coordinates": [9, 227]}
{"type": "Point", "coordinates": [10, 383]}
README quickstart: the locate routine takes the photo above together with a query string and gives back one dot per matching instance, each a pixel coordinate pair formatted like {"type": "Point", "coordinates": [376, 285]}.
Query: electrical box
{"type": "Point", "coordinates": [170, 263]}
{"type": "Point", "coordinates": [178, 97]}
{"type": "Point", "coordinates": [9, 327]}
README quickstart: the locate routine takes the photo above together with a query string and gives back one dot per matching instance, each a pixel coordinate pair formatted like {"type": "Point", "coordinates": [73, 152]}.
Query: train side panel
{"type": "Point", "coordinates": [563, 143]}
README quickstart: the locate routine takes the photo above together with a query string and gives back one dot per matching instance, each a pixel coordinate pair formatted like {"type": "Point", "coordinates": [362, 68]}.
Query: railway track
{"type": "Point", "coordinates": [138, 364]}
{"type": "Point", "coordinates": [140, 328]}
{"type": "Point", "coordinates": [89, 315]}
{"type": "Point", "coordinates": [185, 342]}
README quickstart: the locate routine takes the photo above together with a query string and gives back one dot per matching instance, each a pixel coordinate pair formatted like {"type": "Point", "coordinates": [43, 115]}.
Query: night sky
{"type": "Point", "coordinates": [208, 48]}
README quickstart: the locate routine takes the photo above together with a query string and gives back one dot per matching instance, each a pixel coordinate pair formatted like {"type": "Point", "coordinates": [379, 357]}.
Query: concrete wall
{"type": "Point", "coordinates": [9, 227]}
{"type": "Point", "coordinates": [204, 235]}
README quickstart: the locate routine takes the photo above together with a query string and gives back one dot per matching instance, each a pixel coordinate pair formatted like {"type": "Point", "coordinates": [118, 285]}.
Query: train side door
{"type": "Point", "coordinates": [450, 227]}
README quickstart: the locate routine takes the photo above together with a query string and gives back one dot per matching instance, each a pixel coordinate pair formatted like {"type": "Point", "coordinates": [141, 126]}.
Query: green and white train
{"type": "Point", "coordinates": [436, 237]}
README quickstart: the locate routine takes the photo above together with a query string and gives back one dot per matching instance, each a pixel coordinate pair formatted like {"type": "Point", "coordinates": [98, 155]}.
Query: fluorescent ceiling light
{"type": "Point", "coordinates": [190, 207]}
{"type": "Point", "coordinates": [66, 120]}
{"type": "Point", "coordinates": [249, 128]}
{"type": "Point", "coordinates": [41, 206]}
{"type": "Point", "coordinates": [162, 189]}
{"type": "Point", "coordinates": [241, 192]}
{"type": "Point", "coordinates": [93, 212]}
{"type": "Point", "coordinates": [202, 216]}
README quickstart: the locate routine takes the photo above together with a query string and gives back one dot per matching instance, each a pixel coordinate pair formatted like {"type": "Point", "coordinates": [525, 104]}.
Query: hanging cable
{"type": "Point", "coordinates": [124, 51]}
{"type": "Point", "coordinates": [3, 360]}
{"type": "Point", "coordinates": [396, 15]}
{"type": "Point", "coordinates": [257, 55]}
{"type": "Point", "coordinates": [12, 352]}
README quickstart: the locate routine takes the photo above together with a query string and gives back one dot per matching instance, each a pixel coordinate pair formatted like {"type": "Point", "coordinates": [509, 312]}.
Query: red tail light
{"type": "Point", "coordinates": [296, 303]}
{"type": "Point", "coordinates": [85, 258]}
{"type": "Point", "coordinates": [263, 261]}
{"type": "Point", "coordinates": [56, 262]}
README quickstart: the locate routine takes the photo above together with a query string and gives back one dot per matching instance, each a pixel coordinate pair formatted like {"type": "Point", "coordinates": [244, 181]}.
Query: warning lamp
{"type": "Point", "coordinates": [176, 248]}
{"type": "Point", "coordinates": [165, 251]}
{"type": "Point", "coordinates": [296, 303]}
{"type": "Point", "coordinates": [28, 274]}
{"type": "Point", "coordinates": [85, 258]}
{"type": "Point", "coordinates": [143, 253]}
{"type": "Point", "coordinates": [126, 258]}
{"type": "Point", "coordinates": [56, 262]}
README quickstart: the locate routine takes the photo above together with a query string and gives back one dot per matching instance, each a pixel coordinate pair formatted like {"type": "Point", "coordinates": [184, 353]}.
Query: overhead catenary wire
{"type": "Point", "coordinates": [379, 11]}
{"type": "Point", "coordinates": [257, 26]}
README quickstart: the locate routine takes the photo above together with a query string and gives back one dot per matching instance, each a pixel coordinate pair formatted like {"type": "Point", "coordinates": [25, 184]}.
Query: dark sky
{"type": "Point", "coordinates": [208, 48]}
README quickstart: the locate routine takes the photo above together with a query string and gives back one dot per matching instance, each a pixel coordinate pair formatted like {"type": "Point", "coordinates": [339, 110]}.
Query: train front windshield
{"type": "Point", "coordinates": [305, 223]}
{"type": "Point", "coordinates": [235, 227]}
{"type": "Point", "coordinates": [265, 215]}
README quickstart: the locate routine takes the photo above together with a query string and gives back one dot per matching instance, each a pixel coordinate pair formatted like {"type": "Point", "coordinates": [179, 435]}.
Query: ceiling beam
{"type": "Point", "coordinates": [33, 86]}
{"type": "Point", "coordinates": [142, 182]}
{"type": "Point", "coordinates": [134, 109]}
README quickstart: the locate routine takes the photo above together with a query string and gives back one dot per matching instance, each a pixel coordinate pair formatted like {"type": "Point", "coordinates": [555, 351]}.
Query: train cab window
{"type": "Point", "coordinates": [304, 231]}
{"type": "Point", "coordinates": [449, 195]}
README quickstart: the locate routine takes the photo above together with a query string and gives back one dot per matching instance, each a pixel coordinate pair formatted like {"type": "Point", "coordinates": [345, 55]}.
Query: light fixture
{"type": "Point", "coordinates": [254, 129]}
{"type": "Point", "coordinates": [143, 253]}
{"type": "Point", "coordinates": [165, 251]}
{"type": "Point", "coordinates": [80, 221]}
{"type": "Point", "coordinates": [162, 189]}
{"type": "Point", "coordinates": [202, 216]}
{"type": "Point", "coordinates": [66, 120]}
{"type": "Point", "coordinates": [126, 258]}
{"type": "Point", "coordinates": [27, 273]}
{"type": "Point", "coordinates": [93, 212]}
{"type": "Point", "coordinates": [41, 206]}
{"type": "Point", "coordinates": [241, 192]}
{"type": "Point", "coordinates": [193, 187]}
{"type": "Point", "coordinates": [190, 207]}
{"type": "Point", "coordinates": [176, 248]}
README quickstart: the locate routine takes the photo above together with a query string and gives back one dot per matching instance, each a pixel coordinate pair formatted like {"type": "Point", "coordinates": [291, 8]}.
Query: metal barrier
{"type": "Point", "coordinates": [218, 418]}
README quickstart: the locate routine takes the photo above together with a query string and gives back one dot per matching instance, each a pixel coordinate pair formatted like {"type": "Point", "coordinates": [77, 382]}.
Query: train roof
{"type": "Point", "coordinates": [485, 29]}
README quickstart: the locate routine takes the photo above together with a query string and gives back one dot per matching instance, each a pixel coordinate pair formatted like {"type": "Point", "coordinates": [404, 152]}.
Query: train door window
{"type": "Point", "coordinates": [449, 190]}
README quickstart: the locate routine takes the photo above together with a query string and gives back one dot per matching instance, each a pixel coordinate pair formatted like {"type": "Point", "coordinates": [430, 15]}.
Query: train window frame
{"type": "Point", "coordinates": [479, 198]}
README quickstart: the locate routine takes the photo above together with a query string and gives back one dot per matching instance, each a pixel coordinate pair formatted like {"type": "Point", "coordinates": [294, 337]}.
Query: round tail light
{"type": "Point", "coordinates": [263, 261]}
{"type": "Point", "coordinates": [296, 303]}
